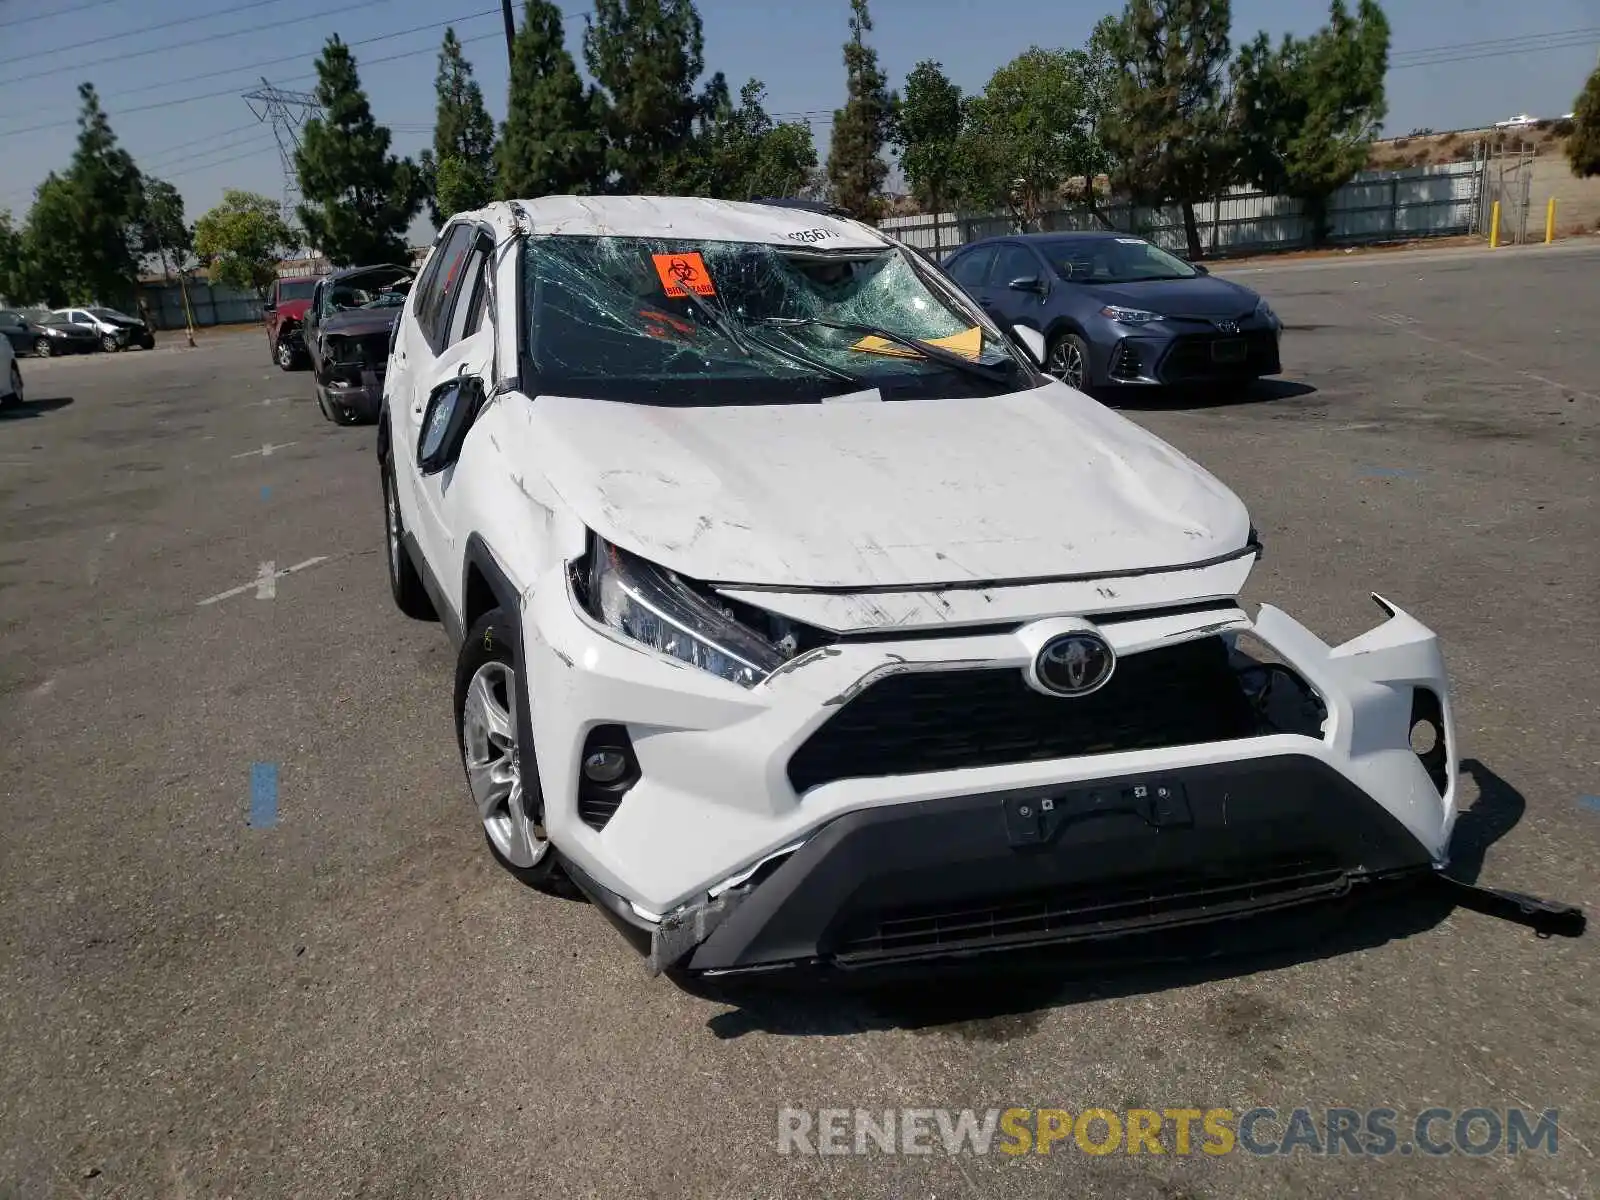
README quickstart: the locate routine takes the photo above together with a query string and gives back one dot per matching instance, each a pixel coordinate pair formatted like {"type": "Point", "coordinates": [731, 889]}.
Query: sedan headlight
{"type": "Point", "coordinates": [654, 607]}
{"type": "Point", "coordinates": [51, 331]}
{"type": "Point", "coordinates": [1130, 316]}
{"type": "Point", "coordinates": [345, 352]}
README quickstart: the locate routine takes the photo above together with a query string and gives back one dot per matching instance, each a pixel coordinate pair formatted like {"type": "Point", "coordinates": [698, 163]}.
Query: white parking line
{"type": "Point", "coordinates": [265, 583]}
{"type": "Point", "coordinates": [266, 449]}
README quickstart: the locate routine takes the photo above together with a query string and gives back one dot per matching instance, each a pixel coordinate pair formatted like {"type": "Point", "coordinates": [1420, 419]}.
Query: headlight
{"type": "Point", "coordinates": [345, 352]}
{"type": "Point", "coordinates": [652, 606]}
{"type": "Point", "coordinates": [1130, 316]}
{"type": "Point", "coordinates": [1264, 311]}
{"type": "Point", "coordinates": [51, 332]}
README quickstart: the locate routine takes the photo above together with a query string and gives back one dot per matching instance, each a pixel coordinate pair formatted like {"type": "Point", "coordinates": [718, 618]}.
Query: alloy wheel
{"type": "Point", "coordinates": [42, 348]}
{"type": "Point", "coordinates": [391, 511]}
{"type": "Point", "coordinates": [285, 354]}
{"type": "Point", "coordinates": [1066, 363]}
{"type": "Point", "coordinates": [494, 767]}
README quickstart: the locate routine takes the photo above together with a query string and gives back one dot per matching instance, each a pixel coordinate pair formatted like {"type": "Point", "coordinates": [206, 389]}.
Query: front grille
{"type": "Point", "coordinates": [1191, 358]}
{"type": "Point", "coordinates": [945, 720]}
{"type": "Point", "coordinates": [1089, 910]}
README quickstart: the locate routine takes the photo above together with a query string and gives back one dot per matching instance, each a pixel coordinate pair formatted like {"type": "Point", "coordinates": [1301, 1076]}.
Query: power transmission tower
{"type": "Point", "coordinates": [286, 111]}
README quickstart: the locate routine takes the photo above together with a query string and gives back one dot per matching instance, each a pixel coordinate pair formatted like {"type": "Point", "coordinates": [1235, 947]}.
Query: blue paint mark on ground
{"type": "Point", "coordinates": [263, 795]}
{"type": "Point", "coordinates": [1592, 803]}
{"type": "Point", "coordinates": [266, 492]}
{"type": "Point", "coordinates": [1387, 473]}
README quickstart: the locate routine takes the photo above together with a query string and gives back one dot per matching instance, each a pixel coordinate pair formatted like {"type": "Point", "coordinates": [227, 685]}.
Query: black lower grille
{"type": "Point", "coordinates": [1126, 364]}
{"type": "Point", "coordinates": [1094, 910]}
{"type": "Point", "coordinates": [1194, 357]}
{"type": "Point", "coordinates": [944, 720]}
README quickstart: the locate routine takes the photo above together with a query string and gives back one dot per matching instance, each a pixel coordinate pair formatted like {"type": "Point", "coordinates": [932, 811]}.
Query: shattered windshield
{"type": "Point", "coordinates": [663, 321]}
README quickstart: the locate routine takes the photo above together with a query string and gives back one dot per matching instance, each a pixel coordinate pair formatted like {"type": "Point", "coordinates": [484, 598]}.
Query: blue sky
{"type": "Point", "coordinates": [206, 144]}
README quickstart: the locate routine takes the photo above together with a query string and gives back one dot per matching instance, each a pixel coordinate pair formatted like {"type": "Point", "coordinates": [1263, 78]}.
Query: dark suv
{"type": "Point", "coordinates": [349, 328]}
{"type": "Point", "coordinates": [285, 314]}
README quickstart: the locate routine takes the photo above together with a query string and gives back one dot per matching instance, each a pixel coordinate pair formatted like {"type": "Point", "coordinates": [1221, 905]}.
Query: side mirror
{"type": "Point", "coordinates": [1031, 341]}
{"type": "Point", "coordinates": [1201, 267]}
{"type": "Point", "coordinates": [1028, 283]}
{"type": "Point", "coordinates": [451, 408]}
{"type": "Point", "coordinates": [267, 306]}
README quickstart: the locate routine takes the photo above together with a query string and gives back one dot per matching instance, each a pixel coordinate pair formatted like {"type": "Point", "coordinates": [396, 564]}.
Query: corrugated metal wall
{"type": "Point", "coordinates": [1432, 201]}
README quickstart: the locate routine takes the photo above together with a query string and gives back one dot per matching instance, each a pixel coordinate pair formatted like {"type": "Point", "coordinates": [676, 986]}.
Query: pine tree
{"type": "Point", "coordinates": [551, 143]}
{"type": "Point", "coordinates": [647, 56]}
{"type": "Point", "coordinates": [927, 131]}
{"type": "Point", "coordinates": [162, 231]}
{"type": "Point", "coordinates": [89, 227]}
{"type": "Point", "coordinates": [360, 199]}
{"type": "Point", "coordinates": [856, 165]}
{"type": "Point", "coordinates": [1307, 112]}
{"type": "Point", "coordinates": [460, 167]}
{"type": "Point", "coordinates": [1583, 145]}
{"type": "Point", "coordinates": [1169, 129]}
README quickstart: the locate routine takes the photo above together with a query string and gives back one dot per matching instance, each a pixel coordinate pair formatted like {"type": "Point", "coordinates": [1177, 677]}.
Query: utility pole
{"type": "Point", "coordinates": [511, 30]}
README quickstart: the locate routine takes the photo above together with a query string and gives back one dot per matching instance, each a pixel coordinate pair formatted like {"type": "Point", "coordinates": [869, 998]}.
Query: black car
{"type": "Point", "coordinates": [40, 332]}
{"type": "Point", "coordinates": [348, 329]}
{"type": "Point", "coordinates": [1117, 310]}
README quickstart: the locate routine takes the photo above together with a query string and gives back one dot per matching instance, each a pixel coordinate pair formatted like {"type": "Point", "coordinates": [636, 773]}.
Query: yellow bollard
{"type": "Point", "coordinates": [1550, 221]}
{"type": "Point", "coordinates": [1494, 227]}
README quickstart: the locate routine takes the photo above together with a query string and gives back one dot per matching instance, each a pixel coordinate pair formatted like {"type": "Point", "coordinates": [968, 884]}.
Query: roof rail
{"type": "Point", "coordinates": [816, 206]}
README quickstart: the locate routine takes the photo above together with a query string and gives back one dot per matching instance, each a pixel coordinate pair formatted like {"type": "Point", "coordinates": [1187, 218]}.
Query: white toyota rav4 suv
{"type": "Point", "coordinates": [803, 621]}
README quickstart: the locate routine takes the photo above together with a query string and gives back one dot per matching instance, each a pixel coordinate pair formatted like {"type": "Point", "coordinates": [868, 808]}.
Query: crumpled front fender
{"type": "Point", "coordinates": [1369, 685]}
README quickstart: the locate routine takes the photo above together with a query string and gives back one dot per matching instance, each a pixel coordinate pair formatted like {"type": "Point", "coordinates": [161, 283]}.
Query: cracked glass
{"type": "Point", "coordinates": [665, 321]}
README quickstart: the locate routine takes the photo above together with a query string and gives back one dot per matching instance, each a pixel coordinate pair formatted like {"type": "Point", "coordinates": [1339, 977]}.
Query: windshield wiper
{"type": "Point", "coordinates": [984, 371]}
{"type": "Point", "coordinates": [713, 319]}
{"type": "Point", "coordinates": [745, 339]}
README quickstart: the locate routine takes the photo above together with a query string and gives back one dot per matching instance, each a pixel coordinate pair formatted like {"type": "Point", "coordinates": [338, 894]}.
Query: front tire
{"type": "Point", "coordinates": [405, 583]}
{"type": "Point", "coordinates": [42, 348]}
{"type": "Point", "coordinates": [502, 775]}
{"type": "Point", "coordinates": [284, 355]}
{"type": "Point", "coordinates": [1068, 360]}
{"type": "Point", "coordinates": [108, 343]}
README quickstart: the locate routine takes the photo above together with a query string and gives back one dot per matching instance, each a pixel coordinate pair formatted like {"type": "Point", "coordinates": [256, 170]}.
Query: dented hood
{"type": "Point", "coordinates": [1040, 483]}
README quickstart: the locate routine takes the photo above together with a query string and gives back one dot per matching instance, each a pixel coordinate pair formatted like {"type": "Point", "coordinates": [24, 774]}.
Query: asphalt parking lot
{"type": "Point", "coordinates": [253, 944]}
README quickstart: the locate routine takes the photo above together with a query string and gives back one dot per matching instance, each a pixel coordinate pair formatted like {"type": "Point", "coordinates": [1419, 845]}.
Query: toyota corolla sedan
{"type": "Point", "coordinates": [801, 621]}
{"type": "Point", "coordinates": [1117, 311]}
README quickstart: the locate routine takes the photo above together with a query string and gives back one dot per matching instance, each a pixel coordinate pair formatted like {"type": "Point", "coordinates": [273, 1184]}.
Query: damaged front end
{"type": "Point", "coordinates": [1329, 769]}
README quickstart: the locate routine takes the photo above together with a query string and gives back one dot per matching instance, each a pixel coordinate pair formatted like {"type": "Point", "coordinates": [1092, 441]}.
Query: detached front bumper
{"type": "Point", "coordinates": [726, 854]}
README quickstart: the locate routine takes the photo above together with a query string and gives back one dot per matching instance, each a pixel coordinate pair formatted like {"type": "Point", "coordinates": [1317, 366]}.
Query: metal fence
{"type": "Point", "coordinates": [213, 304]}
{"type": "Point", "coordinates": [1377, 206]}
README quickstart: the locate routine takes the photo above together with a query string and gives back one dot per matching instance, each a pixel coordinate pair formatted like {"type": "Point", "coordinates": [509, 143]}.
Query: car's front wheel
{"type": "Point", "coordinates": [284, 354]}
{"type": "Point", "coordinates": [108, 342]}
{"type": "Point", "coordinates": [42, 347]}
{"type": "Point", "coordinates": [502, 775]}
{"type": "Point", "coordinates": [1068, 360]}
{"type": "Point", "coordinates": [405, 584]}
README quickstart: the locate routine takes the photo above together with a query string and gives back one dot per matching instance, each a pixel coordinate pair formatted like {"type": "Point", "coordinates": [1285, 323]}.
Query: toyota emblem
{"type": "Point", "coordinates": [1228, 326]}
{"type": "Point", "coordinates": [1072, 664]}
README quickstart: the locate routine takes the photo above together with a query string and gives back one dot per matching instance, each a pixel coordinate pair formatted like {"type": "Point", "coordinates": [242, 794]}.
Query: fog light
{"type": "Point", "coordinates": [605, 766]}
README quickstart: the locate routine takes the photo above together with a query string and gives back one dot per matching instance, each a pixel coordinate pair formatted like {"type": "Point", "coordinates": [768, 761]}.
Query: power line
{"type": "Point", "coordinates": [60, 12]}
{"type": "Point", "coordinates": [111, 37]}
{"type": "Point", "coordinates": [286, 58]}
{"type": "Point", "coordinates": [1499, 41]}
{"type": "Point", "coordinates": [171, 46]}
{"type": "Point", "coordinates": [1506, 53]}
{"type": "Point", "coordinates": [233, 91]}
{"type": "Point", "coordinates": [210, 137]}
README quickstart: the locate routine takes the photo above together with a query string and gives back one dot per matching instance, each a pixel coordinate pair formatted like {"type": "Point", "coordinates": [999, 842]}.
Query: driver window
{"type": "Point", "coordinates": [1013, 262]}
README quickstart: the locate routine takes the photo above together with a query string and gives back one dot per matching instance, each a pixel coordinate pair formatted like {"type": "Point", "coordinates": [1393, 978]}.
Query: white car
{"type": "Point", "coordinates": [11, 391]}
{"type": "Point", "coordinates": [803, 621]}
{"type": "Point", "coordinates": [117, 330]}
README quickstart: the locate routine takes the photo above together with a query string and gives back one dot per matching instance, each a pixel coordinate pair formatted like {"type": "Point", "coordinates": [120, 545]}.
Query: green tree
{"type": "Point", "coordinates": [856, 166]}
{"type": "Point", "coordinates": [52, 266]}
{"type": "Point", "coordinates": [15, 287]}
{"type": "Point", "coordinates": [1583, 145]}
{"type": "Point", "coordinates": [551, 143]}
{"type": "Point", "coordinates": [459, 169]}
{"type": "Point", "coordinates": [741, 153]}
{"type": "Point", "coordinates": [359, 198]}
{"type": "Point", "coordinates": [1308, 111]}
{"type": "Point", "coordinates": [647, 56]}
{"type": "Point", "coordinates": [243, 239]}
{"type": "Point", "coordinates": [1100, 75]}
{"type": "Point", "coordinates": [162, 231]}
{"type": "Point", "coordinates": [1027, 134]}
{"type": "Point", "coordinates": [927, 132]}
{"type": "Point", "coordinates": [1169, 129]}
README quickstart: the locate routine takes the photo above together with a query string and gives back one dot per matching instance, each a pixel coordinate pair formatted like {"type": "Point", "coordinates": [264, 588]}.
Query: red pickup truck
{"type": "Point", "coordinates": [285, 313]}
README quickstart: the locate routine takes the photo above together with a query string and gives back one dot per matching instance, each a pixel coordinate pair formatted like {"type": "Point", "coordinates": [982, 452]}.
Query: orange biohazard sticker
{"type": "Point", "coordinates": [684, 273]}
